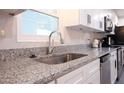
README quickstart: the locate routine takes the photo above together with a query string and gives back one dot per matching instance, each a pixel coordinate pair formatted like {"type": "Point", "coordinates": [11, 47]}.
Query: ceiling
{"type": "Point", "coordinates": [119, 12]}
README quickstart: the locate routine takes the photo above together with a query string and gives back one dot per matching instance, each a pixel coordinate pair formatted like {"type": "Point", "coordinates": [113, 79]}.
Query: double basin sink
{"type": "Point", "coordinates": [59, 58]}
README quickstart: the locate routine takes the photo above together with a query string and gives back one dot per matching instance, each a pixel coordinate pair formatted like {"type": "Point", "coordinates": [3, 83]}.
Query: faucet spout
{"type": "Point", "coordinates": [51, 46]}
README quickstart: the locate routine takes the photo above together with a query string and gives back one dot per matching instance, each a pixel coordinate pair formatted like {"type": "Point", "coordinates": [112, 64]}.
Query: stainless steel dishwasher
{"type": "Point", "coordinates": [119, 62]}
{"type": "Point", "coordinates": [105, 71]}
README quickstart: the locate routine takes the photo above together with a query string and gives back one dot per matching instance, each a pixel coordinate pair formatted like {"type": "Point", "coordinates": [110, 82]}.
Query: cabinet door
{"type": "Point", "coordinates": [91, 68]}
{"type": "Point", "coordinates": [94, 79]}
{"type": "Point", "coordinates": [86, 17]}
{"type": "Point", "coordinates": [92, 18]}
{"type": "Point", "coordinates": [74, 77]}
{"type": "Point", "coordinates": [99, 19]}
{"type": "Point", "coordinates": [81, 75]}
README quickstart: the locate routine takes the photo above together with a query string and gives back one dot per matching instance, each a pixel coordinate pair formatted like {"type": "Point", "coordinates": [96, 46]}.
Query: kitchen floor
{"type": "Point", "coordinates": [121, 81]}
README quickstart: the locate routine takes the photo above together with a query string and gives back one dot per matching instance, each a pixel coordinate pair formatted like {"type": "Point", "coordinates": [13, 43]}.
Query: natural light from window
{"type": "Point", "coordinates": [35, 23]}
{"type": "Point", "coordinates": [35, 26]}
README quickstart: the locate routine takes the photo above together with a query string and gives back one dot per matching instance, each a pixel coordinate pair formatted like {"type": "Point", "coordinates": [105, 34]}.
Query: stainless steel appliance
{"type": "Point", "coordinates": [119, 33]}
{"type": "Point", "coordinates": [122, 50]}
{"type": "Point", "coordinates": [105, 70]}
{"type": "Point", "coordinates": [119, 62]}
{"type": "Point", "coordinates": [108, 41]}
{"type": "Point", "coordinates": [108, 25]}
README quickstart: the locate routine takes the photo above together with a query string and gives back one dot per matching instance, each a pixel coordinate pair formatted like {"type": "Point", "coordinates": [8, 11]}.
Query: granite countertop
{"type": "Point", "coordinates": [29, 71]}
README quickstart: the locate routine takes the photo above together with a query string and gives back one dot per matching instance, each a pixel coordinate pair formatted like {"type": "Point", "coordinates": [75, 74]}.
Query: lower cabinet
{"type": "Point", "coordinates": [88, 74]}
{"type": "Point", "coordinates": [94, 79]}
{"type": "Point", "coordinates": [74, 77]}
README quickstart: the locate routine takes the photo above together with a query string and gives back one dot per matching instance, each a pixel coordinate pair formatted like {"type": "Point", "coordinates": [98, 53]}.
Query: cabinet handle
{"type": "Point", "coordinates": [88, 19]}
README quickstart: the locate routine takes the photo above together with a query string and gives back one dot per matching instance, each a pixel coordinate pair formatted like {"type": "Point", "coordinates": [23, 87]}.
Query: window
{"type": "Point", "coordinates": [35, 26]}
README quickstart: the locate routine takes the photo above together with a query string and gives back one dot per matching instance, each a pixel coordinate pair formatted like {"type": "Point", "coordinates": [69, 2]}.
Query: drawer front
{"type": "Point", "coordinates": [94, 79]}
{"type": "Point", "coordinates": [74, 77]}
{"type": "Point", "coordinates": [92, 68]}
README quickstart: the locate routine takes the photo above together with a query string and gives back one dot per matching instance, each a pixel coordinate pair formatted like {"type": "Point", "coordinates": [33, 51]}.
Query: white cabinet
{"type": "Point", "coordinates": [89, 20]}
{"type": "Point", "coordinates": [87, 74]}
{"type": "Point", "coordinates": [94, 79]}
{"type": "Point", "coordinates": [75, 77]}
{"type": "Point", "coordinates": [92, 72]}
{"type": "Point", "coordinates": [113, 67]}
{"type": "Point", "coordinates": [92, 18]}
{"type": "Point", "coordinates": [86, 17]}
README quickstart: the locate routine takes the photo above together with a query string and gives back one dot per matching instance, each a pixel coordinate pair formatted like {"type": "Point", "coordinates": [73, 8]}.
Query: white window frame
{"type": "Point", "coordinates": [31, 38]}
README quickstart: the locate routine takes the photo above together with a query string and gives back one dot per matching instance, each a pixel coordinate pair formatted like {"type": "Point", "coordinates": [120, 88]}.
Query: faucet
{"type": "Point", "coordinates": [51, 47]}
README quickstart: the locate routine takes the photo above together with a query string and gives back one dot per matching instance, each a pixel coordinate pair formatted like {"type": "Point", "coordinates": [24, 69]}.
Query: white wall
{"type": "Point", "coordinates": [121, 22]}
{"type": "Point", "coordinates": [8, 23]}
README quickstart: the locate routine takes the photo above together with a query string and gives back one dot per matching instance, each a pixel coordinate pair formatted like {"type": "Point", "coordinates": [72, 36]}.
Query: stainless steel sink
{"type": "Point", "coordinates": [59, 58]}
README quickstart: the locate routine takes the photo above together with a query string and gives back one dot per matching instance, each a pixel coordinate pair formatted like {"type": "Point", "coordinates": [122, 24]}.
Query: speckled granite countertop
{"type": "Point", "coordinates": [28, 71]}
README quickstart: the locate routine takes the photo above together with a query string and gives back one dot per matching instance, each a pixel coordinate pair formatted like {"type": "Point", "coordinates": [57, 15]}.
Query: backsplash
{"type": "Point", "coordinates": [8, 54]}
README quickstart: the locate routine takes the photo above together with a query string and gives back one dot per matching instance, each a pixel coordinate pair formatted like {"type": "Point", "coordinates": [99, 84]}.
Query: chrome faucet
{"type": "Point", "coordinates": [51, 46]}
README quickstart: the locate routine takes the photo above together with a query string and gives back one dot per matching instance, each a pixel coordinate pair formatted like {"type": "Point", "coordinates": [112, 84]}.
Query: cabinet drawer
{"type": "Point", "coordinates": [74, 77]}
{"type": "Point", "coordinates": [92, 68]}
{"type": "Point", "coordinates": [94, 79]}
